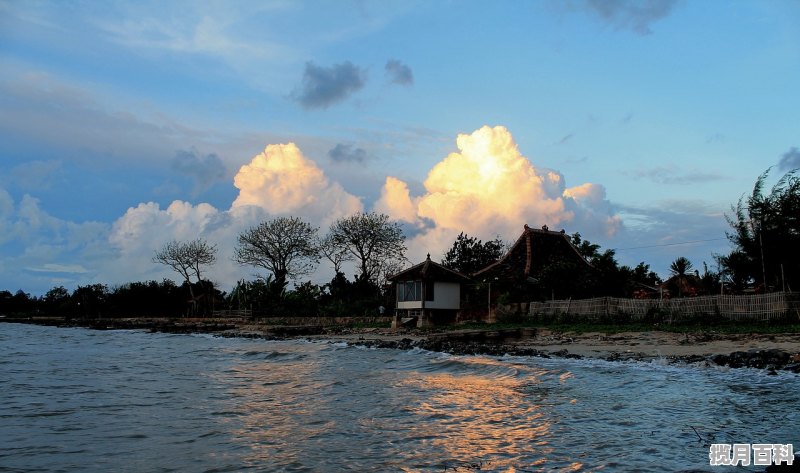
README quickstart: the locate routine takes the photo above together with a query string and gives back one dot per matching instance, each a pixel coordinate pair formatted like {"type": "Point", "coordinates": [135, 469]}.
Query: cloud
{"type": "Point", "coordinates": [284, 182]}
{"type": "Point", "coordinates": [565, 139]}
{"type": "Point", "coordinates": [278, 181]}
{"type": "Point", "coordinates": [790, 160]}
{"type": "Point", "coordinates": [672, 175]}
{"type": "Point", "coordinates": [489, 188]}
{"type": "Point", "coordinates": [204, 171]}
{"type": "Point", "coordinates": [347, 153]}
{"type": "Point", "coordinates": [41, 250]}
{"type": "Point", "coordinates": [396, 201]}
{"type": "Point", "coordinates": [323, 87]}
{"type": "Point", "coordinates": [34, 175]}
{"type": "Point", "coordinates": [635, 15]}
{"type": "Point", "coordinates": [399, 73]}
{"type": "Point", "coordinates": [60, 268]}
{"type": "Point", "coordinates": [665, 230]}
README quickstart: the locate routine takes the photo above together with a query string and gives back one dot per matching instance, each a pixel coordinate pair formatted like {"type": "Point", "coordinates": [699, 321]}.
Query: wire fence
{"type": "Point", "coordinates": [757, 307]}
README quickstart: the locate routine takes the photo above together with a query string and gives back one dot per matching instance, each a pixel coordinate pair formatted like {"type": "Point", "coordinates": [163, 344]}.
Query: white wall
{"type": "Point", "coordinates": [447, 296]}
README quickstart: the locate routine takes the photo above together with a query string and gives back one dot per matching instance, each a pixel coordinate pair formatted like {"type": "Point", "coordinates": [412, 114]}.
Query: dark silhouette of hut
{"type": "Point", "coordinates": [541, 264]}
{"type": "Point", "coordinates": [683, 285]}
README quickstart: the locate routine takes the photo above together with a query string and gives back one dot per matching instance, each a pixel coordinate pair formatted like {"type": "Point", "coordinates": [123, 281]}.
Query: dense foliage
{"type": "Point", "coordinates": [469, 254]}
{"type": "Point", "coordinates": [137, 299]}
{"type": "Point", "coordinates": [766, 236]}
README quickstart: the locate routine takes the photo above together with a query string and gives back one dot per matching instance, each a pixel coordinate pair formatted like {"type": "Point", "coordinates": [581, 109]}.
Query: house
{"type": "Point", "coordinates": [541, 264]}
{"type": "Point", "coordinates": [427, 293]}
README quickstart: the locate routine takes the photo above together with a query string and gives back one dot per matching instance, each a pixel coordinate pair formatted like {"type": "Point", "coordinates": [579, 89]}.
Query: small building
{"type": "Point", "coordinates": [541, 264]}
{"type": "Point", "coordinates": [427, 293]}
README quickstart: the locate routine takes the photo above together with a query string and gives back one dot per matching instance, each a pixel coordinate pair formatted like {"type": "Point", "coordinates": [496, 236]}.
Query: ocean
{"type": "Point", "coordinates": [78, 400]}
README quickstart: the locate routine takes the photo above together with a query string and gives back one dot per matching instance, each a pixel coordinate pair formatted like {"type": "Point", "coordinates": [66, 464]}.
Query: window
{"type": "Point", "coordinates": [409, 291]}
{"type": "Point", "coordinates": [412, 291]}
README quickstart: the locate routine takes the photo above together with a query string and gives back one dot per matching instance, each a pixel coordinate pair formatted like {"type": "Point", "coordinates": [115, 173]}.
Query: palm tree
{"type": "Point", "coordinates": [679, 269]}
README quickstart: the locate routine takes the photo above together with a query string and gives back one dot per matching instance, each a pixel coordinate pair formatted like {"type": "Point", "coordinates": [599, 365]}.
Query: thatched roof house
{"type": "Point", "coordinates": [540, 264]}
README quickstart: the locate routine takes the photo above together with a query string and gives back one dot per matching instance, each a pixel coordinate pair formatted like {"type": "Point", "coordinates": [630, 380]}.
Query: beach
{"type": "Point", "coordinates": [774, 351]}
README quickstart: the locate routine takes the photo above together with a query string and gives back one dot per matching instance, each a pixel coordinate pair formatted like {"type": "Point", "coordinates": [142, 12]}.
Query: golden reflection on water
{"type": "Point", "coordinates": [489, 418]}
{"type": "Point", "coordinates": [263, 400]}
{"type": "Point", "coordinates": [469, 414]}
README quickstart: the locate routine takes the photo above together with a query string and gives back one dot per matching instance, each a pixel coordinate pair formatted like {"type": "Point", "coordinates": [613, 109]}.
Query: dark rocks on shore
{"type": "Point", "coordinates": [771, 360]}
{"type": "Point", "coordinates": [762, 359]}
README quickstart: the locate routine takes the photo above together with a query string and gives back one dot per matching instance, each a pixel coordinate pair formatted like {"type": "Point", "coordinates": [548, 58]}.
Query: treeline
{"type": "Point", "coordinates": [137, 299]}
{"type": "Point", "coordinates": [339, 297]}
{"type": "Point", "coordinates": [765, 234]}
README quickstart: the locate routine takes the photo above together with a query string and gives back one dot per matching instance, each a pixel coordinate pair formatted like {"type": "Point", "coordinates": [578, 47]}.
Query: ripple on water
{"type": "Point", "coordinates": [78, 400]}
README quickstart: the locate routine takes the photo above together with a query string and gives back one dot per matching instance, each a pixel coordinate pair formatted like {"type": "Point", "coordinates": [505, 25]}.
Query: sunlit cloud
{"type": "Point", "coordinates": [488, 188]}
{"type": "Point", "coordinates": [284, 182]}
{"type": "Point", "coordinates": [396, 201]}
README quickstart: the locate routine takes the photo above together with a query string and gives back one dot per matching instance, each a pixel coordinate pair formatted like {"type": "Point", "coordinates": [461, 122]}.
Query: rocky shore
{"type": "Point", "coordinates": [761, 351]}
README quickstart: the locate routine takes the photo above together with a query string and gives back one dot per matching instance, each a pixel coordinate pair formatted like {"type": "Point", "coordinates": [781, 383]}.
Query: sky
{"type": "Point", "coordinates": [124, 125]}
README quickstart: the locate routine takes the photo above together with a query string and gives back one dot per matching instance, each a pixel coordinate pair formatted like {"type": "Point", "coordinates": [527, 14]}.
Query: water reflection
{"type": "Point", "coordinates": [267, 403]}
{"type": "Point", "coordinates": [485, 417]}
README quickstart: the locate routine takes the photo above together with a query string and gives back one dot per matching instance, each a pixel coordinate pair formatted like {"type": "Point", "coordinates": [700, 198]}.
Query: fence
{"type": "Point", "coordinates": [759, 307]}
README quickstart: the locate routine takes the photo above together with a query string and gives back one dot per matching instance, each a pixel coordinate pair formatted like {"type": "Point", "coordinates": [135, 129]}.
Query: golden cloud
{"type": "Point", "coordinates": [489, 188]}
{"type": "Point", "coordinates": [282, 181]}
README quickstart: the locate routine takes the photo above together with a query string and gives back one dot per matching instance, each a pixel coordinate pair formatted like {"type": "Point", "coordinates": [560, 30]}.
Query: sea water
{"type": "Point", "coordinates": [77, 400]}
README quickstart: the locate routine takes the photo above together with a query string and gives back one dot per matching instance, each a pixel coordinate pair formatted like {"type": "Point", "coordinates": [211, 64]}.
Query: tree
{"type": "Point", "coordinates": [680, 267]}
{"type": "Point", "coordinates": [469, 254]}
{"type": "Point", "coordinates": [586, 248]}
{"type": "Point", "coordinates": [285, 246]}
{"type": "Point", "coordinates": [90, 300]}
{"type": "Point", "coordinates": [372, 240]}
{"type": "Point", "coordinates": [680, 280]}
{"type": "Point", "coordinates": [55, 300]}
{"type": "Point", "coordinates": [766, 235]}
{"type": "Point", "coordinates": [187, 259]}
{"type": "Point", "coordinates": [337, 255]}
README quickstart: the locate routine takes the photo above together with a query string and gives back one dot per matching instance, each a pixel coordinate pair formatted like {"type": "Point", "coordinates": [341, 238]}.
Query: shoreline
{"type": "Point", "coordinates": [772, 352]}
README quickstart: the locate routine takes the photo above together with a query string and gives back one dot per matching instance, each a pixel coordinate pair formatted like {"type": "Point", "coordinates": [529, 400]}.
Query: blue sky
{"type": "Point", "coordinates": [635, 123]}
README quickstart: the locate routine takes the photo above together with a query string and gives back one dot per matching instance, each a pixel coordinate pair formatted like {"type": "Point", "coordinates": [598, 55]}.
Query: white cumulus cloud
{"type": "Point", "coordinates": [489, 188]}
{"type": "Point", "coordinates": [284, 182]}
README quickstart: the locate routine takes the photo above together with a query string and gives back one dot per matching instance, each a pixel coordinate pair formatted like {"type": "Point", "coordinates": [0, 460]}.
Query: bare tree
{"type": "Point", "coordinates": [372, 240]}
{"type": "Point", "coordinates": [285, 246]}
{"type": "Point", "coordinates": [187, 259]}
{"type": "Point", "coordinates": [337, 255]}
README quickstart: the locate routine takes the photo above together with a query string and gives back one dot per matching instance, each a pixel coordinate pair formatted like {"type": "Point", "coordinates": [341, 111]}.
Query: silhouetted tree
{"type": "Point", "coordinates": [766, 234]}
{"type": "Point", "coordinates": [285, 246]}
{"type": "Point", "coordinates": [372, 240]}
{"type": "Point", "coordinates": [469, 254]}
{"type": "Point", "coordinates": [188, 259]}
